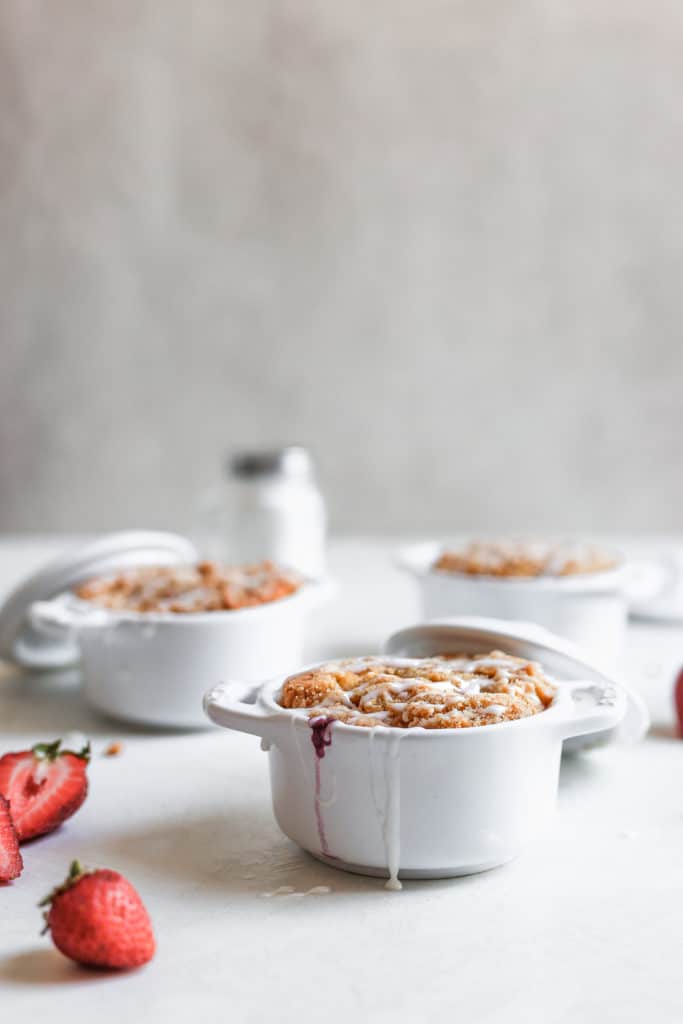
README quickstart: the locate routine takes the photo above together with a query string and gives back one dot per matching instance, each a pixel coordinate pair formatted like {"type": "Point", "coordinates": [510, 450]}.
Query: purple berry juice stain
{"type": "Point", "coordinates": [321, 737]}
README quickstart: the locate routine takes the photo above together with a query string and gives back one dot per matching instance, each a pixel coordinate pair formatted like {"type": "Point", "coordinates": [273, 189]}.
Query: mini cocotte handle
{"type": "Point", "coordinates": [592, 707]}
{"type": "Point", "coordinates": [235, 705]}
{"type": "Point", "coordinates": [63, 616]}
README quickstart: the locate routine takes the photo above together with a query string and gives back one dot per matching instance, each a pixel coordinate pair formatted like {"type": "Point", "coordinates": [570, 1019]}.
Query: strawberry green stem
{"type": "Point", "coordinates": [51, 751]}
{"type": "Point", "coordinates": [76, 872]}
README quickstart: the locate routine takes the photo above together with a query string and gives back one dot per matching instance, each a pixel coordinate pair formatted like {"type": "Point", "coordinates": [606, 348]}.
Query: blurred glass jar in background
{"type": "Point", "coordinates": [275, 509]}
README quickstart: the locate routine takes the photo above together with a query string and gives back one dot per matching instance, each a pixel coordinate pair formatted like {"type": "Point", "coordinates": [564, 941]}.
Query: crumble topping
{"type": "Point", "coordinates": [523, 559]}
{"type": "Point", "coordinates": [206, 587]}
{"type": "Point", "coordinates": [435, 693]}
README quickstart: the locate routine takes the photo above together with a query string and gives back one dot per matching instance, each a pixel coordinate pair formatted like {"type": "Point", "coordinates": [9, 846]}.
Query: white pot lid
{"type": "Point", "coordinates": [24, 645]}
{"type": "Point", "coordinates": [559, 657]}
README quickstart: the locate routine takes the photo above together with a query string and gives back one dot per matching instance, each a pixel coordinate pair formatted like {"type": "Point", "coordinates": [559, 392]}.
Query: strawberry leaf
{"type": "Point", "coordinates": [51, 751]}
{"type": "Point", "coordinates": [76, 872]}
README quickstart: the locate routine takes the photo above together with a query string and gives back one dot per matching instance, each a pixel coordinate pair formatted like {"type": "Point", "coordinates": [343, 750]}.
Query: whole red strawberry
{"type": "Point", "coordinates": [678, 701]}
{"type": "Point", "coordinates": [98, 919]}
{"type": "Point", "coordinates": [11, 863]}
{"type": "Point", "coordinates": [44, 786]}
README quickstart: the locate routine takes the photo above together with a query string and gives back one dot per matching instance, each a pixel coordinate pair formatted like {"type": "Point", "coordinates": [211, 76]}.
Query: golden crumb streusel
{"type": "Point", "coordinates": [523, 559]}
{"type": "Point", "coordinates": [206, 587]}
{"type": "Point", "coordinates": [435, 693]}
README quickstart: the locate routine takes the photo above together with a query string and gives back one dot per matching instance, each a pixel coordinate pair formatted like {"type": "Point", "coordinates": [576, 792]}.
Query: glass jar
{"type": "Point", "coordinates": [276, 510]}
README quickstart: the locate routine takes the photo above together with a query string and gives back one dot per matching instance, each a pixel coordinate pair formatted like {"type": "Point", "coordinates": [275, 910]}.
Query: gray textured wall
{"type": "Point", "coordinates": [439, 242]}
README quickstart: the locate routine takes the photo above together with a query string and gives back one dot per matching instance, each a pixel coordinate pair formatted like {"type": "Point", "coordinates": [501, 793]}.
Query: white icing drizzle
{"type": "Point", "coordinates": [392, 820]}
{"type": "Point", "coordinates": [388, 809]}
{"type": "Point", "coordinates": [495, 709]}
{"type": "Point", "coordinates": [385, 688]}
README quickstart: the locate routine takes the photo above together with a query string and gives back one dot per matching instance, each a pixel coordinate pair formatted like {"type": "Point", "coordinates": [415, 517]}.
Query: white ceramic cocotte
{"type": "Point", "coordinates": [422, 803]}
{"type": "Point", "coordinates": [589, 609]}
{"type": "Point", "coordinates": [152, 668]}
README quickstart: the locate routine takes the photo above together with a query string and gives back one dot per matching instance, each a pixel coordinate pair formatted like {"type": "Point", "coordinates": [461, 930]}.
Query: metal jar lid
{"type": "Point", "coordinates": [293, 462]}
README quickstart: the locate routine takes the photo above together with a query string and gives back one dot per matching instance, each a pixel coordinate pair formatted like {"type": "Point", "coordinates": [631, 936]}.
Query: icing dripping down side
{"type": "Point", "coordinates": [392, 820]}
{"type": "Point", "coordinates": [387, 801]}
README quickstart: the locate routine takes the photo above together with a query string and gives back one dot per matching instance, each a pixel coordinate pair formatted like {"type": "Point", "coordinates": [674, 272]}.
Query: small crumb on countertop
{"type": "Point", "coordinates": [113, 750]}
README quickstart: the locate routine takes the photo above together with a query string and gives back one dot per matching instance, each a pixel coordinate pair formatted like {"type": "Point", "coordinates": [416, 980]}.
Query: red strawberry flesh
{"type": "Point", "coordinates": [98, 919]}
{"type": "Point", "coordinates": [44, 787]}
{"type": "Point", "coordinates": [11, 863]}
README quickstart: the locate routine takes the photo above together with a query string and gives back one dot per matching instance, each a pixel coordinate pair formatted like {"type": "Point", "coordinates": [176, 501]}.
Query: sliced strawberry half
{"type": "Point", "coordinates": [11, 863]}
{"type": "Point", "coordinates": [44, 786]}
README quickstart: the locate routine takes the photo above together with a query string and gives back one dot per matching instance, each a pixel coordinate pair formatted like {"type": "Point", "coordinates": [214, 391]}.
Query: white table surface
{"type": "Point", "coordinates": [585, 926]}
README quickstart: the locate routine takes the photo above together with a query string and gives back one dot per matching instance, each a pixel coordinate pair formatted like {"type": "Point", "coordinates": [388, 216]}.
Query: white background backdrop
{"type": "Point", "coordinates": [438, 242]}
